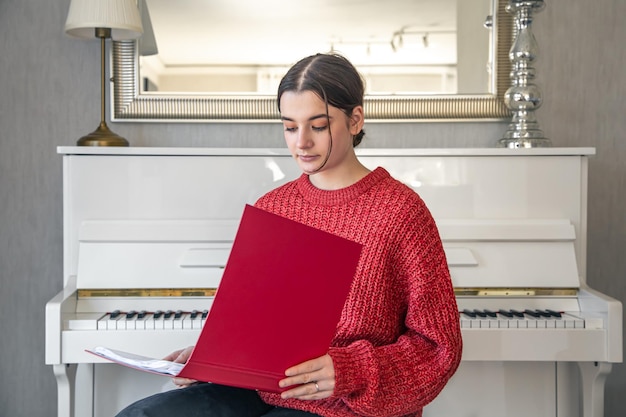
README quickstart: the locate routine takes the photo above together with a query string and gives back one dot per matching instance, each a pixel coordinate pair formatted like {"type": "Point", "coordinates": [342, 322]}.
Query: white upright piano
{"type": "Point", "coordinates": [147, 232]}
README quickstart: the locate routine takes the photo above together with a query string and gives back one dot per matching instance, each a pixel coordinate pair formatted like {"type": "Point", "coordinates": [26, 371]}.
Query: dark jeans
{"type": "Point", "coordinates": [207, 400]}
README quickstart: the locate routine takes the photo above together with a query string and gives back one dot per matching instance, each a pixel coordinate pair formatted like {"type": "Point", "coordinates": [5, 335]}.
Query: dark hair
{"type": "Point", "coordinates": [330, 76]}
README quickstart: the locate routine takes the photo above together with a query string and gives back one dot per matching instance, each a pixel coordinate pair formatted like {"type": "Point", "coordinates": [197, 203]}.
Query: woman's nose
{"type": "Point", "coordinates": [304, 140]}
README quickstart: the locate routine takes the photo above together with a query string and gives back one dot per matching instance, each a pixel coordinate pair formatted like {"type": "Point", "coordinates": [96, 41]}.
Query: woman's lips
{"type": "Point", "coordinates": [307, 158]}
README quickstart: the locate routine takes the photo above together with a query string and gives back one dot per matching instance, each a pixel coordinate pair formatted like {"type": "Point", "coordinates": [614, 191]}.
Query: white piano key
{"type": "Point", "coordinates": [168, 320]}
{"type": "Point", "coordinates": [159, 323]}
{"type": "Point", "coordinates": [187, 321]}
{"type": "Point", "coordinates": [140, 323]}
{"type": "Point", "coordinates": [149, 323]}
{"type": "Point", "coordinates": [594, 323]}
{"type": "Point", "coordinates": [82, 324]}
{"type": "Point", "coordinates": [570, 323]}
{"type": "Point", "coordinates": [168, 324]}
{"type": "Point", "coordinates": [111, 323]}
{"type": "Point", "coordinates": [120, 324]}
{"type": "Point", "coordinates": [131, 323]}
{"type": "Point", "coordinates": [503, 323]}
{"type": "Point", "coordinates": [102, 325]}
{"type": "Point", "coordinates": [574, 322]}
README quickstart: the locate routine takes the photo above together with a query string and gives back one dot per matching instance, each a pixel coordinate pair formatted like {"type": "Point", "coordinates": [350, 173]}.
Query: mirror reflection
{"type": "Point", "coordinates": [245, 46]}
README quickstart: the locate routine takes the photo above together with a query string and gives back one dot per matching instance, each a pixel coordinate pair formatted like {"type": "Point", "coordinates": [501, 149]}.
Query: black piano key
{"type": "Point", "coordinates": [158, 314]}
{"type": "Point", "coordinates": [178, 314]}
{"type": "Point", "coordinates": [469, 313]}
{"type": "Point", "coordinates": [194, 314]}
{"type": "Point", "coordinates": [131, 314]}
{"type": "Point", "coordinates": [543, 313]}
{"type": "Point", "coordinates": [532, 313]}
{"type": "Point", "coordinates": [480, 313]}
{"type": "Point", "coordinates": [141, 314]}
{"type": "Point", "coordinates": [505, 313]}
{"type": "Point", "coordinates": [554, 313]}
{"type": "Point", "coordinates": [168, 314]}
{"type": "Point", "coordinates": [490, 313]}
{"type": "Point", "coordinates": [114, 314]}
{"type": "Point", "coordinates": [517, 313]}
{"type": "Point", "coordinates": [205, 313]}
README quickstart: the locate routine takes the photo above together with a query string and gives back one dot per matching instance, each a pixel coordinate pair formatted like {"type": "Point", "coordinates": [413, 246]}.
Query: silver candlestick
{"type": "Point", "coordinates": [523, 97]}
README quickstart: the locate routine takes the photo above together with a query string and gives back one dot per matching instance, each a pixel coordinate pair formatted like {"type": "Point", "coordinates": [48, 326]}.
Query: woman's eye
{"type": "Point", "coordinates": [290, 129]}
{"type": "Point", "coordinates": [320, 128]}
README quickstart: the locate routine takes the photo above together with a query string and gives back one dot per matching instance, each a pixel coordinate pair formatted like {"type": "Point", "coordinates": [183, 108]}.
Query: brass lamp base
{"type": "Point", "coordinates": [102, 136]}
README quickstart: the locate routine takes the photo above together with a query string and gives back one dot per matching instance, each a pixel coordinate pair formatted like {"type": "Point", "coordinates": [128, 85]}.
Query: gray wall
{"type": "Point", "coordinates": [49, 96]}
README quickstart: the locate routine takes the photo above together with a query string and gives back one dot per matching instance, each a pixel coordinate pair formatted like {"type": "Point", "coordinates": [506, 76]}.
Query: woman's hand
{"type": "Point", "coordinates": [314, 379]}
{"type": "Point", "coordinates": [181, 356]}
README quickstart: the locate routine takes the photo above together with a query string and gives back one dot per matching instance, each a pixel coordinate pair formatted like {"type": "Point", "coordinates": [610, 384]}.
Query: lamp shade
{"type": "Point", "coordinates": [121, 16]}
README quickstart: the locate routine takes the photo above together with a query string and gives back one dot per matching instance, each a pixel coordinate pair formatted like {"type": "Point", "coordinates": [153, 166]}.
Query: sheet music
{"type": "Point", "coordinates": [158, 366]}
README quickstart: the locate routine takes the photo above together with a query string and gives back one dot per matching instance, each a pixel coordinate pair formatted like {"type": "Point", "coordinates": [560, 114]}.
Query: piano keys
{"type": "Point", "coordinates": [143, 320]}
{"type": "Point", "coordinates": [147, 232]}
{"type": "Point", "coordinates": [514, 319]}
{"type": "Point", "coordinates": [470, 319]}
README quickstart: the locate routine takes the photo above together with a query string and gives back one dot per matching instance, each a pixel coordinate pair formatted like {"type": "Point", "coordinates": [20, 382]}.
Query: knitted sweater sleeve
{"type": "Point", "coordinates": [401, 377]}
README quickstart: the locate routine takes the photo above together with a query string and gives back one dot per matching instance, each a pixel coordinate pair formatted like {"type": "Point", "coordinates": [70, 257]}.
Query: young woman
{"type": "Point", "coordinates": [398, 341]}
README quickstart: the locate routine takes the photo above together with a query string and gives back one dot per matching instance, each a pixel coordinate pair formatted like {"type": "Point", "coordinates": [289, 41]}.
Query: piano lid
{"type": "Point", "coordinates": [516, 253]}
{"type": "Point", "coordinates": [153, 253]}
{"type": "Point", "coordinates": [481, 253]}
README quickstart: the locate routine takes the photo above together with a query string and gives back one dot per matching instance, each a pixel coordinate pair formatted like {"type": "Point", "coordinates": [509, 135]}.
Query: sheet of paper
{"type": "Point", "coordinates": [143, 363]}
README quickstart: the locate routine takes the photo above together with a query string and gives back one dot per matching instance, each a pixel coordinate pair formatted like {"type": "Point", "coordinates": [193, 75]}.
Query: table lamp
{"type": "Point", "coordinates": [114, 19]}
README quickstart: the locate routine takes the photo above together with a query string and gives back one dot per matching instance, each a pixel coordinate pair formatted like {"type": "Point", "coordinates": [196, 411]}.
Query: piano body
{"type": "Point", "coordinates": [147, 232]}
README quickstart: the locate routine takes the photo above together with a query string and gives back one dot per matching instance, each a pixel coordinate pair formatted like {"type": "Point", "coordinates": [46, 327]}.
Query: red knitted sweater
{"type": "Point", "coordinates": [398, 340]}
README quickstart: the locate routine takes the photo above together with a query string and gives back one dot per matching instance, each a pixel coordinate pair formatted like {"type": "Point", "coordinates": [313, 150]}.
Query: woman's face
{"type": "Point", "coordinates": [308, 132]}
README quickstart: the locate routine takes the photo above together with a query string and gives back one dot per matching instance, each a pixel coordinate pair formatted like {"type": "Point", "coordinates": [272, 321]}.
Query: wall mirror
{"type": "Point", "coordinates": [221, 60]}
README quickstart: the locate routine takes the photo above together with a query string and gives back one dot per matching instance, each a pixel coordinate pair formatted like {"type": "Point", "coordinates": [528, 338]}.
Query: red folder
{"type": "Point", "coordinates": [277, 305]}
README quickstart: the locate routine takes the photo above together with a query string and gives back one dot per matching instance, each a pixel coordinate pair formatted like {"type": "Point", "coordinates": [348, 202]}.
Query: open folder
{"type": "Point", "coordinates": [277, 305]}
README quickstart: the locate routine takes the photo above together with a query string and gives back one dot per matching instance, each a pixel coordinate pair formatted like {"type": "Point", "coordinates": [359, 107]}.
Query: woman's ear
{"type": "Point", "coordinates": [356, 120]}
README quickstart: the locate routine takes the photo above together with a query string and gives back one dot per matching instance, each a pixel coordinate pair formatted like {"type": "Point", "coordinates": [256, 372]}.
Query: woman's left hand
{"type": "Point", "coordinates": [313, 380]}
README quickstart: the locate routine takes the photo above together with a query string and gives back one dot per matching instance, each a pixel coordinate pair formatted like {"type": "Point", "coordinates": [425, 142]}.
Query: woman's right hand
{"type": "Point", "coordinates": [181, 356]}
